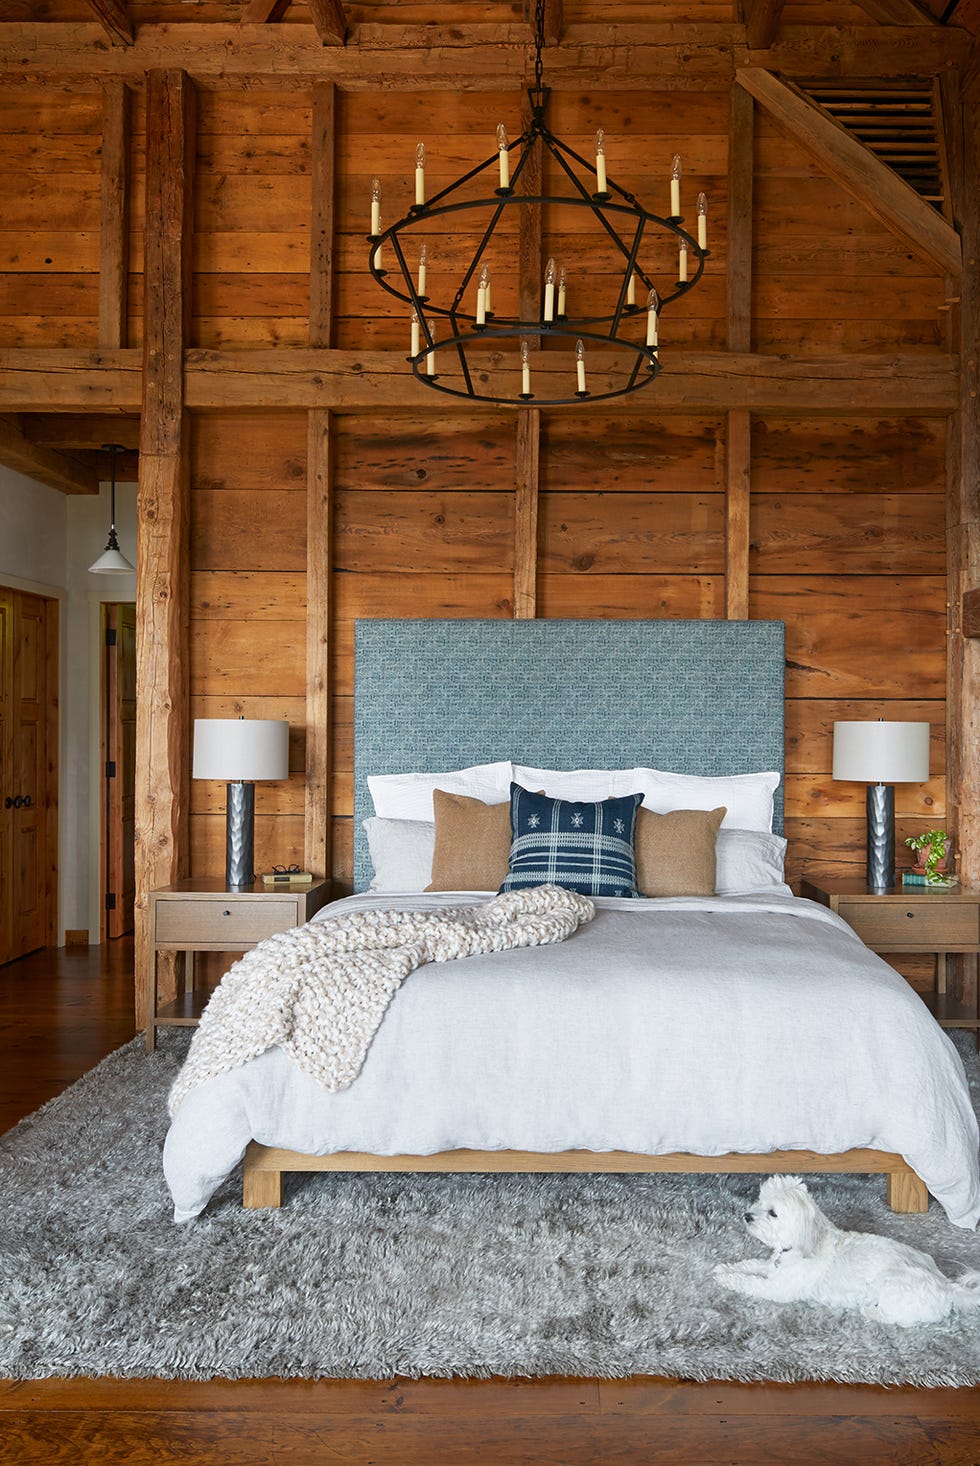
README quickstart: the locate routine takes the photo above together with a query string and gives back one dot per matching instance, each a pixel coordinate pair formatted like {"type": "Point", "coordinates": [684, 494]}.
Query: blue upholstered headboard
{"type": "Point", "coordinates": [695, 697]}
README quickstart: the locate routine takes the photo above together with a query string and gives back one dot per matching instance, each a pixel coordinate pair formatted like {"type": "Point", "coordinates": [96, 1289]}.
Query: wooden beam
{"type": "Point", "coordinates": [162, 578]}
{"type": "Point", "coordinates": [329, 20]}
{"type": "Point", "coordinates": [889, 198]}
{"type": "Point", "coordinates": [738, 465]}
{"type": "Point", "coordinates": [322, 224]}
{"type": "Point", "coordinates": [114, 19]}
{"type": "Point", "coordinates": [319, 567]}
{"type": "Point", "coordinates": [349, 381]}
{"type": "Point", "coordinates": [482, 56]}
{"type": "Point", "coordinates": [46, 465]}
{"type": "Point", "coordinates": [52, 378]}
{"type": "Point", "coordinates": [553, 20]}
{"type": "Point", "coordinates": [741, 175]}
{"type": "Point", "coordinates": [260, 12]}
{"type": "Point", "coordinates": [970, 613]}
{"type": "Point", "coordinates": [898, 12]}
{"type": "Point", "coordinates": [114, 219]}
{"type": "Point", "coordinates": [762, 19]}
{"type": "Point", "coordinates": [85, 431]}
{"type": "Point", "coordinates": [526, 514]}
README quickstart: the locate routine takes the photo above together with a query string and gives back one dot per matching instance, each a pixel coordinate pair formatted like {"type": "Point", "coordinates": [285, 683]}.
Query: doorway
{"type": "Point", "coordinates": [118, 753]}
{"type": "Point", "coordinates": [28, 772]}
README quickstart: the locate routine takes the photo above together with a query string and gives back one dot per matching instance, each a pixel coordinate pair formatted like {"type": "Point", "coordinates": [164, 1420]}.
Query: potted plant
{"type": "Point", "coordinates": [930, 854]}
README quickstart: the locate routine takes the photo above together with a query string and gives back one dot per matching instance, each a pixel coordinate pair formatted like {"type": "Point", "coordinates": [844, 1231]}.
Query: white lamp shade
{"type": "Point", "coordinates": [112, 562]}
{"type": "Point", "coordinates": [241, 748]}
{"type": "Point", "coordinates": [882, 753]}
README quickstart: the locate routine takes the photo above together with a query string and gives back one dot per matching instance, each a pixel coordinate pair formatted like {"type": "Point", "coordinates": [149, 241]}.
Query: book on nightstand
{"type": "Point", "coordinates": [287, 878]}
{"type": "Point", "coordinates": [917, 879]}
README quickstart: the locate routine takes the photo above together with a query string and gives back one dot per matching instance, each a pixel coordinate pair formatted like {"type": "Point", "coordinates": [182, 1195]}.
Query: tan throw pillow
{"type": "Point", "coordinates": [675, 853]}
{"type": "Point", "coordinates": [472, 849]}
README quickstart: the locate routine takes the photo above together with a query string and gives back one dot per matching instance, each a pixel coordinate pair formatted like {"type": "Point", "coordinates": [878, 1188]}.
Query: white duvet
{"type": "Point", "coordinates": [741, 1023]}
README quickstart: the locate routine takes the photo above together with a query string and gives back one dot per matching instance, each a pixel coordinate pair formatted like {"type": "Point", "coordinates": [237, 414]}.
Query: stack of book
{"type": "Point", "coordinates": [938, 883]}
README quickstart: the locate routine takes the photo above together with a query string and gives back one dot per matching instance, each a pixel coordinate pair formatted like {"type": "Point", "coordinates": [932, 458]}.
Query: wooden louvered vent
{"type": "Point", "coordinates": [898, 122]}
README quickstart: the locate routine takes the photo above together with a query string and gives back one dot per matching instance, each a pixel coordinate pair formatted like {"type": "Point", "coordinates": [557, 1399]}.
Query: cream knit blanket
{"type": "Point", "coordinates": [320, 991]}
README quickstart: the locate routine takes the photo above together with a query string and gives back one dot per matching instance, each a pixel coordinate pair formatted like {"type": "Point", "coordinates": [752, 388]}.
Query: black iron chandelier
{"type": "Point", "coordinates": [491, 357]}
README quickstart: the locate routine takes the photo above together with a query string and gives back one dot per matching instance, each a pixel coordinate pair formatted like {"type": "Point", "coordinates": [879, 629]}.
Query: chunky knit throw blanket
{"type": "Point", "coordinates": [320, 991]}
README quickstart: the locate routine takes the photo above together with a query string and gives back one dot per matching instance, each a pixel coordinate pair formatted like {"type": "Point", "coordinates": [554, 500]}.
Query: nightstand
{"type": "Point", "coordinates": [906, 919]}
{"type": "Point", "coordinates": [203, 916]}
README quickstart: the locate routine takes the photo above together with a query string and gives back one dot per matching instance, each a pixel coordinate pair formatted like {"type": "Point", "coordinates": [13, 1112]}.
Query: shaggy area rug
{"type": "Point", "coordinates": [377, 1276]}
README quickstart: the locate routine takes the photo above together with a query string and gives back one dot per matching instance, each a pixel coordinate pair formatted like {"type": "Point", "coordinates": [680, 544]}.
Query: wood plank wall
{"type": "Point", "coordinates": [846, 515]}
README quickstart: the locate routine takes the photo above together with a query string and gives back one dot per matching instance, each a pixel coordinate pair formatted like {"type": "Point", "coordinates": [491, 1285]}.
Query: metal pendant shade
{"type": "Point", "coordinates": [112, 561]}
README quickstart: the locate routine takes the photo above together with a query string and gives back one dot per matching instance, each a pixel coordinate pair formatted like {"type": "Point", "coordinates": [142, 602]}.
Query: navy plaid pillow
{"type": "Point", "coordinates": [584, 847]}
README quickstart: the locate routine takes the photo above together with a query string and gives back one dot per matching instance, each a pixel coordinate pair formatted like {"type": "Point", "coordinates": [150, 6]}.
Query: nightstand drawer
{"type": "Point", "coordinates": [237, 920]}
{"type": "Point", "coordinates": [936, 927]}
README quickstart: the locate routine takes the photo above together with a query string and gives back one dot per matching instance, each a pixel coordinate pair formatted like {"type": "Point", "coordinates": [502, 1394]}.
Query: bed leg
{"type": "Point", "coordinates": [262, 1188]}
{"type": "Point", "coordinates": [906, 1193]}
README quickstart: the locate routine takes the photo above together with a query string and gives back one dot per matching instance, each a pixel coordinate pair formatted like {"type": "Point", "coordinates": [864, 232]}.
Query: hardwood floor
{"type": "Point", "coordinates": [61, 1011]}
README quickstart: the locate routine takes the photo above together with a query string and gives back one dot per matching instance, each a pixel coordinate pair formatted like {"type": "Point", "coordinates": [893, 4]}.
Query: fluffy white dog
{"type": "Point", "coordinates": [815, 1262]}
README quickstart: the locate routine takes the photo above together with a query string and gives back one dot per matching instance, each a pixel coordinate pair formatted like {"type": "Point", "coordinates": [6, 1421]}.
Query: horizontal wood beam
{"type": "Point", "coordinates": [473, 57]}
{"type": "Point", "coordinates": [81, 431]}
{"type": "Point", "coordinates": [350, 381]}
{"type": "Point", "coordinates": [44, 464]}
{"type": "Point", "coordinates": [856, 168]}
{"type": "Point", "coordinates": [57, 381]}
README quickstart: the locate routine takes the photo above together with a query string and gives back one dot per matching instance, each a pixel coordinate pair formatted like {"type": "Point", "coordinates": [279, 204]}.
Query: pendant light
{"type": "Point", "coordinates": [112, 561]}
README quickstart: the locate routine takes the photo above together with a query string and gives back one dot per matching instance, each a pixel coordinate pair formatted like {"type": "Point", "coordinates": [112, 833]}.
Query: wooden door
{"type": "Point", "coordinates": [28, 637]}
{"type": "Point", "coordinates": [120, 768]}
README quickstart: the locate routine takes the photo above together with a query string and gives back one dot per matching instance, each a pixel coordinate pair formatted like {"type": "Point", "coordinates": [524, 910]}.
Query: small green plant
{"type": "Point", "coordinates": [934, 843]}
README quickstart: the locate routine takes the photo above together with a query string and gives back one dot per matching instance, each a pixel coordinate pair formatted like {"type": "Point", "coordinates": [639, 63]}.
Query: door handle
{"type": "Point", "coordinates": [8, 802]}
{"type": "Point", "coordinates": [27, 801]}
{"type": "Point", "coordinates": [18, 801]}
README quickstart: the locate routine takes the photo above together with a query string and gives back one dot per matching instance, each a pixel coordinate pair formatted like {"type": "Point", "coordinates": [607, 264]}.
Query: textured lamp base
{"type": "Point", "coordinates": [240, 835]}
{"type": "Point", "coordinates": [881, 837]}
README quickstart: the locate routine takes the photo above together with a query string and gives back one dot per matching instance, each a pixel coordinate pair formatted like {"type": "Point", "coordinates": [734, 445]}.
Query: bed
{"type": "Point", "coordinates": [745, 1029]}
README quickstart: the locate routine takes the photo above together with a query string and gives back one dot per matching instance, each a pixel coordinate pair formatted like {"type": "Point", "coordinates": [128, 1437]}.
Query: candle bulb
{"type": "Point", "coordinates": [600, 161]}
{"type": "Point", "coordinates": [653, 306]}
{"type": "Point", "coordinates": [375, 207]}
{"type": "Point", "coordinates": [702, 221]}
{"type": "Point", "coordinates": [377, 252]}
{"type": "Point", "coordinates": [525, 369]}
{"type": "Point", "coordinates": [430, 360]}
{"type": "Point", "coordinates": [481, 297]}
{"type": "Point", "coordinates": [416, 341]}
{"type": "Point", "coordinates": [502, 146]}
{"type": "Point", "coordinates": [562, 286]}
{"type": "Point", "coordinates": [580, 365]}
{"type": "Point", "coordinates": [423, 270]}
{"type": "Point", "coordinates": [675, 186]}
{"type": "Point", "coordinates": [631, 290]}
{"type": "Point", "coordinates": [682, 262]}
{"type": "Point", "coordinates": [549, 291]}
{"type": "Point", "coordinates": [420, 174]}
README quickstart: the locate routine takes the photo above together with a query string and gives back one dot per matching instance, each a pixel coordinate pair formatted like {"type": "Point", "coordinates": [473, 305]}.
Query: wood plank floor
{"type": "Point", "coordinates": [61, 1011]}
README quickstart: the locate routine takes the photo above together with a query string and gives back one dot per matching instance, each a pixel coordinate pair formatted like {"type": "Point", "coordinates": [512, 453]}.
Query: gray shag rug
{"type": "Point", "coordinates": [362, 1276]}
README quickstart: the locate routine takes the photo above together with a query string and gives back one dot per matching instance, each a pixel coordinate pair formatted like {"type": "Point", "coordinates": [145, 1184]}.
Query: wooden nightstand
{"type": "Point", "coordinates": [203, 916]}
{"type": "Point", "coordinates": [908, 920]}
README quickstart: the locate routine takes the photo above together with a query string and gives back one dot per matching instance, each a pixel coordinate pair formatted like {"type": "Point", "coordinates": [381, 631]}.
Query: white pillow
{"type": "Point", "coordinates": [748, 860]}
{"type": "Point", "coordinates": [409, 796]}
{"type": "Point", "coordinates": [747, 797]}
{"type": "Point", "coordinates": [401, 853]}
{"type": "Point", "coordinates": [587, 784]}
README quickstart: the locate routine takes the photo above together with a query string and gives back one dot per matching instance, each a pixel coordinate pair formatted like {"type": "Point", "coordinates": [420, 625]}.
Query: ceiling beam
{"type": "Point", "coordinates": [329, 21]}
{"type": "Point", "coordinates": [762, 19]}
{"type": "Point", "coordinates": [553, 19]}
{"type": "Point", "coordinates": [473, 57]}
{"type": "Point", "coordinates": [44, 464]}
{"type": "Point", "coordinates": [80, 431]}
{"type": "Point", "coordinates": [898, 12]}
{"type": "Point", "coordinates": [870, 181]}
{"type": "Point", "coordinates": [114, 19]}
{"type": "Point", "coordinates": [261, 12]}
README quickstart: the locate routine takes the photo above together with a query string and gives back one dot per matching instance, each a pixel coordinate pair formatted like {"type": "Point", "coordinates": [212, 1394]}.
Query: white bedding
{"type": "Point", "coordinates": [707, 1025]}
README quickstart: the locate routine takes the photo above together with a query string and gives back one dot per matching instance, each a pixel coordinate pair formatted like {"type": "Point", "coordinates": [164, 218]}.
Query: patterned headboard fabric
{"type": "Point", "coordinates": [693, 697]}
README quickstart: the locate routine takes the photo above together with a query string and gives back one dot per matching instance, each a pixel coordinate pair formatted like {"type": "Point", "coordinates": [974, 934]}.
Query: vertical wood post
{"type": "Point", "coordinates": [738, 446]}
{"type": "Point", "coordinates": [162, 577]}
{"type": "Point", "coordinates": [114, 235]}
{"type": "Point", "coordinates": [319, 502]}
{"type": "Point", "coordinates": [526, 485]}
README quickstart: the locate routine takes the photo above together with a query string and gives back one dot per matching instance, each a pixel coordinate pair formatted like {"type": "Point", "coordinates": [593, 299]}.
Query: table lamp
{"type": "Point", "coordinates": [240, 750]}
{"type": "Point", "coordinates": [881, 754]}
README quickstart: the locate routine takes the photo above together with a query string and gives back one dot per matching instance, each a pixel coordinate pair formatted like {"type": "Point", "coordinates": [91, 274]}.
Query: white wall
{"type": "Point", "coordinates": [47, 542]}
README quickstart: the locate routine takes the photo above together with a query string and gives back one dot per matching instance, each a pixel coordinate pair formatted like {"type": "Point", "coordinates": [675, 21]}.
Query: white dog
{"type": "Point", "coordinates": [815, 1262]}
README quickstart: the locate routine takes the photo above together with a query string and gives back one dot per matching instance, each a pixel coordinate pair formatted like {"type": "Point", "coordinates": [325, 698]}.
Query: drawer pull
{"type": "Point", "coordinates": [228, 913]}
{"type": "Point", "coordinates": [909, 914]}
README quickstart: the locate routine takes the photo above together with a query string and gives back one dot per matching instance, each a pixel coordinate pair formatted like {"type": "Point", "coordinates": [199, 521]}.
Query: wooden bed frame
{"type": "Point", "coordinates": [692, 696]}
{"type": "Point", "coordinates": [265, 1165]}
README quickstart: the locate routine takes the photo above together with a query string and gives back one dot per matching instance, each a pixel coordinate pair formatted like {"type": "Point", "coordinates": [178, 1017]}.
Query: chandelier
{"type": "Point", "coordinates": [599, 322]}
